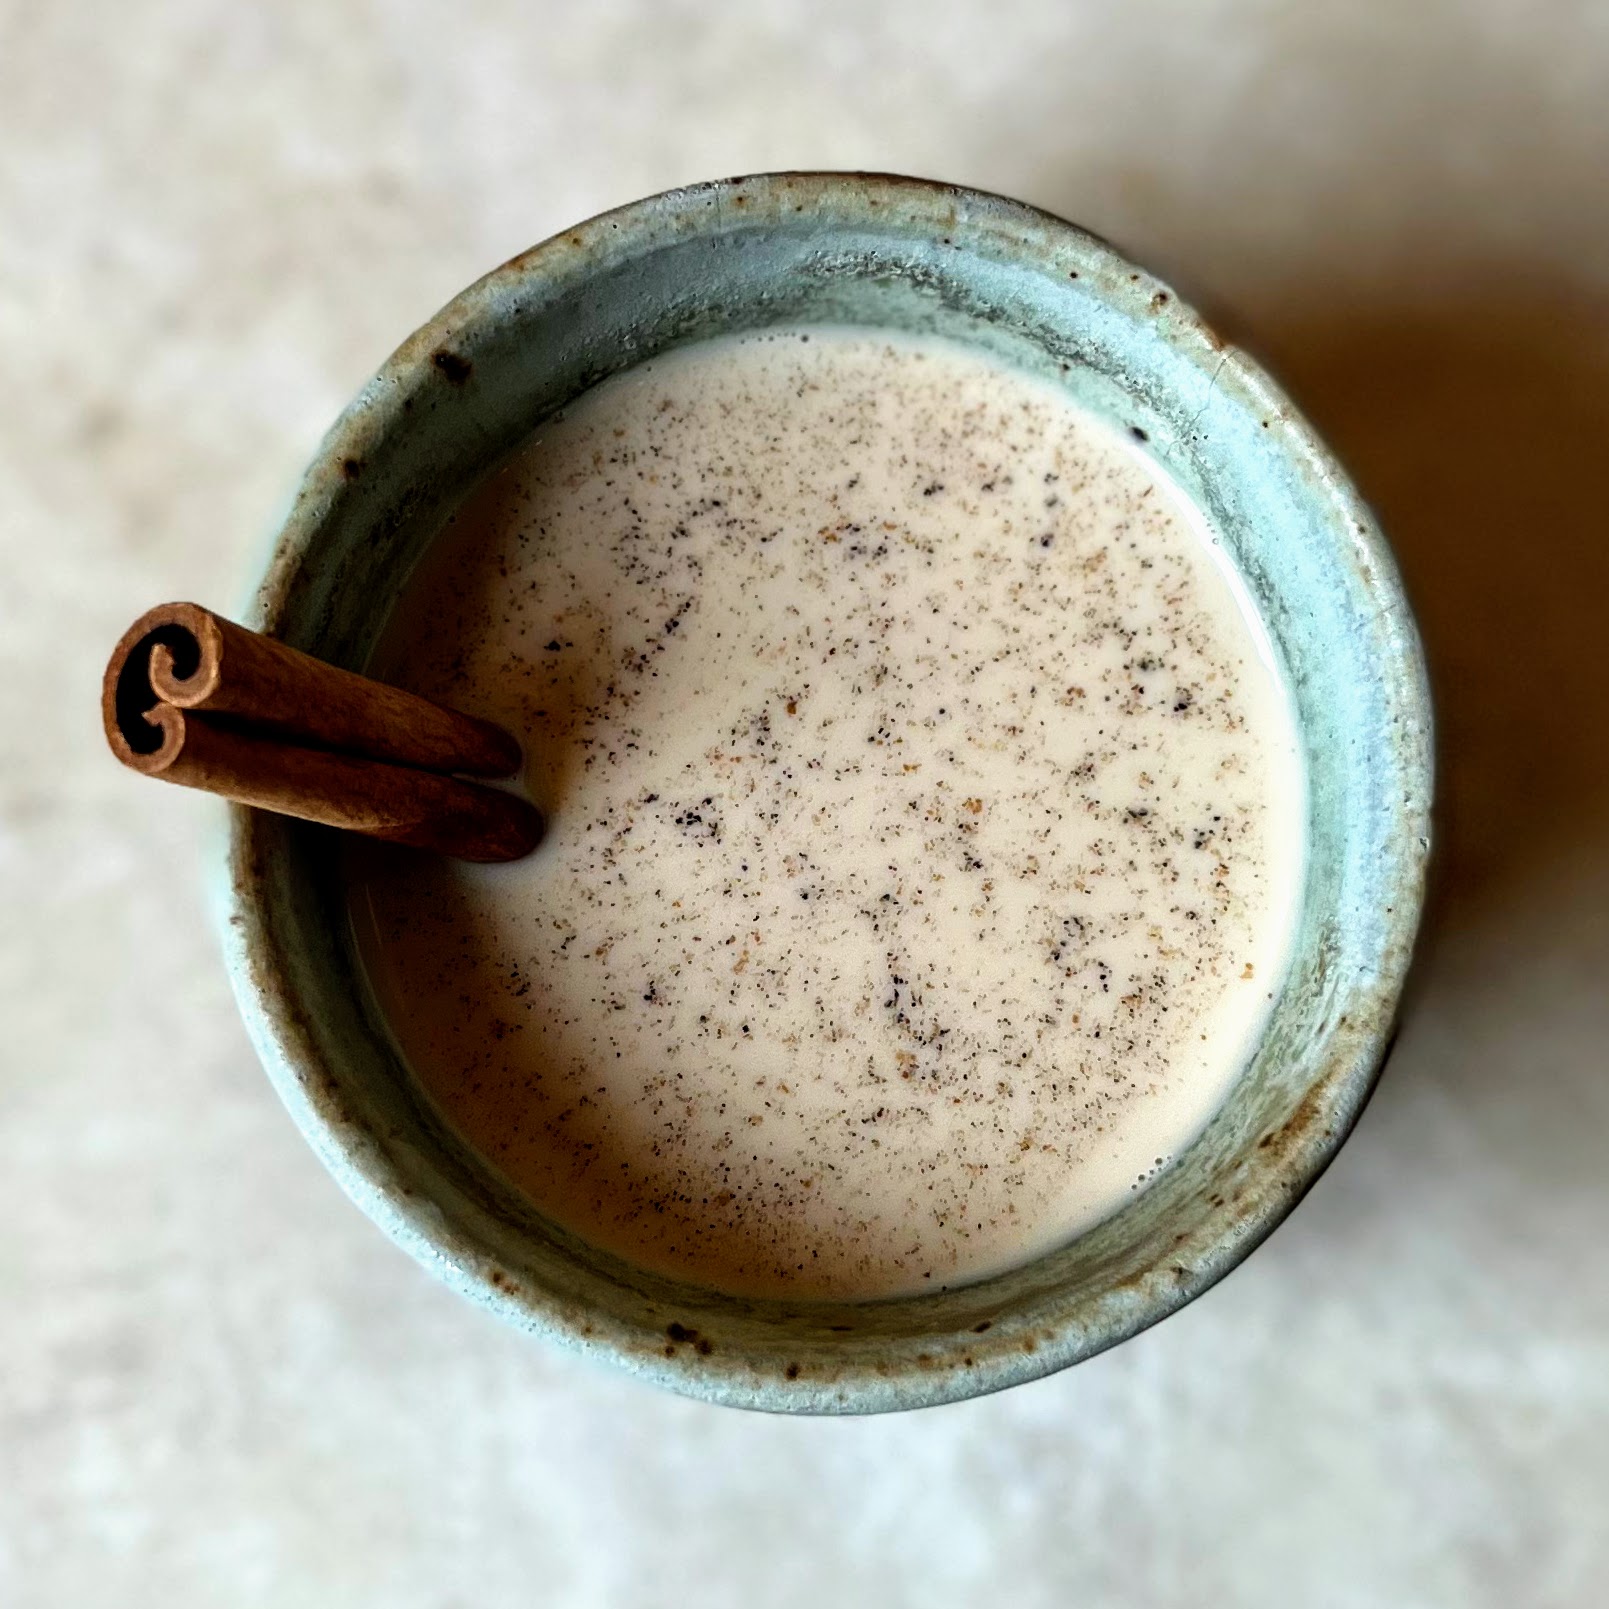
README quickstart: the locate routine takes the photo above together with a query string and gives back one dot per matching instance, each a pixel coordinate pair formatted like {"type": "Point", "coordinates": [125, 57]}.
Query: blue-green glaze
{"type": "Point", "coordinates": [855, 248]}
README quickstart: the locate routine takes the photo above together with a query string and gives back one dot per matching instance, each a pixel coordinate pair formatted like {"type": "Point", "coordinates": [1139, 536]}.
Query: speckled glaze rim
{"type": "Point", "coordinates": [881, 1356]}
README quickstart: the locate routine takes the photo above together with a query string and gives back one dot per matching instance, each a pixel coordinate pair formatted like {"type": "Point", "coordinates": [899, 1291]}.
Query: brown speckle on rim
{"type": "Point", "coordinates": [792, 1371]}
{"type": "Point", "coordinates": [679, 1332]}
{"type": "Point", "coordinates": [978, 1329]}
{"type": "Point", "coordinates": [455, 370]}
{"type": "Point", "coordinates": [1308, 1115]}
{"type": "Point", "coordinates": [351, 467]}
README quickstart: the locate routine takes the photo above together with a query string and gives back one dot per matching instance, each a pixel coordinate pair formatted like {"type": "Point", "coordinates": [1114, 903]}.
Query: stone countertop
{"type": "Point", "coordinates": [219, 1384]}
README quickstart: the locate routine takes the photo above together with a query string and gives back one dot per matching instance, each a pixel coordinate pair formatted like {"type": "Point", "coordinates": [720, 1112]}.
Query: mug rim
{"type": "Point", "coordinates": [267, 992]}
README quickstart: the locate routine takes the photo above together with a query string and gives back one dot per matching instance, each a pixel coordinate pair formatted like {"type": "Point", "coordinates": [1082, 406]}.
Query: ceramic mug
{"type": "Point", "coordinates": [1048, 298]}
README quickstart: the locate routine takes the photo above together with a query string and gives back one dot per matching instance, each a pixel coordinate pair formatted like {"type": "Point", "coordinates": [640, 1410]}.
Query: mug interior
{"type": "Point", "coordinates": [1051, 300]}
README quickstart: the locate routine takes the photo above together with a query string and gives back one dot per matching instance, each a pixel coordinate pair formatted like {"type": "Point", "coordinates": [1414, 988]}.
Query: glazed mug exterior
{"type": "Point", "coordinates": [883, 252]}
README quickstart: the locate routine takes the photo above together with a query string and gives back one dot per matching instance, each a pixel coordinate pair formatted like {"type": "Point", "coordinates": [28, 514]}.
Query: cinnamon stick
{"type": "Point", "coordinates": [195, 699]}
{"type": "Point", "coordinates": [200, 661]}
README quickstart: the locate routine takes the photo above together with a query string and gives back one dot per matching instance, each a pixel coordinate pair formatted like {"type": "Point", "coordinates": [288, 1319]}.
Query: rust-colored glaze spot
{"type": "Point", "coordinates": [1030, 1345]}
{"type": "Point", "coordinates": [670, 1351]}
{"type": "Point", "coordinates": [1304, 1117]}
{"type": "Point", "coordinates": [455, 370]}
{"type": "Point", "coordinates": [1288, 1135]}
{"type": "Point", "coordinates": [1160, 300]}
{"type": "Point", "coordinates": [497, 1276]}
{"type": "Point", "coordinates": [679, 1332]}
{"type": "Point", "coordinates": [703, 1346]}
{"type": "Point", "coordinates": [351, 467]}
{"type": "Point", "coordinates": [792, 1371]}
{"type": "Point", "coordinates": [978, 1329]}
{"type": "Point", "coordinates": [329, 1092]}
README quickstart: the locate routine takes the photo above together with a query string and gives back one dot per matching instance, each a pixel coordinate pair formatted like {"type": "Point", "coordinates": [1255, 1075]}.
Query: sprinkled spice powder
{"type": "Point", "coordinates": [926, 819]}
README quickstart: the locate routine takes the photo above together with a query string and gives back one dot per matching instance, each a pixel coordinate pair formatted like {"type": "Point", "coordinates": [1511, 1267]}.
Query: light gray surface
{"type": "Point", "coordinates": [218, 1384]}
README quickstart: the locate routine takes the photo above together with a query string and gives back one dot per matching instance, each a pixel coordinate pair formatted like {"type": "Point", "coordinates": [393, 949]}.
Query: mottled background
{"type": "Point", "coordinates": [220, 1385]}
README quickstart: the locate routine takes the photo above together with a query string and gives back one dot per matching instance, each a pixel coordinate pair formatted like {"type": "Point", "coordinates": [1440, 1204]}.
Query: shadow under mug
{"type": "Point", "coordinates": [1050, 299]}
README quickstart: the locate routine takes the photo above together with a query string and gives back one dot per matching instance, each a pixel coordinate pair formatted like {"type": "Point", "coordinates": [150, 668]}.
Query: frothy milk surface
{"type": "Point", "coordinates": [925, 819]}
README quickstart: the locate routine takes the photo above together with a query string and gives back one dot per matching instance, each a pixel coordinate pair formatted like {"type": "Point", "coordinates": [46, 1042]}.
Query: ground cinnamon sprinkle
{"type": "Point", "coordinates": [925, 819]}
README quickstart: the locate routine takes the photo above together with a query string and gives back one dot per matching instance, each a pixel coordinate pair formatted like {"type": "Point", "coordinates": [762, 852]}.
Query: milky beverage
{"type": "Point", "coordinates": [925, 819]}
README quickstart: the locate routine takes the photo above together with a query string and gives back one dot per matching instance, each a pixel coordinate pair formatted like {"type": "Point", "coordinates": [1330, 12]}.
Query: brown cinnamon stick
{"type": "Point", "coordinates": [195, 699]}
{"type": "Point", "coordinates": [200, 661]}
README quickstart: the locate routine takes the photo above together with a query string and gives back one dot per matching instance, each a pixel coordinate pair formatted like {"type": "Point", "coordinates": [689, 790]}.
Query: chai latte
{"type": "Point", "coordinates": [925, 819]}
